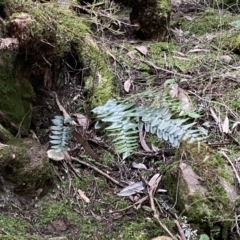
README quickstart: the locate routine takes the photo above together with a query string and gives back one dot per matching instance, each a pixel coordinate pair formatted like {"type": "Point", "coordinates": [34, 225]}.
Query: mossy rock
{"type": "Point", "coordinates": [24, 163]}
{"type": "Point", "coordinates": [205, 189]}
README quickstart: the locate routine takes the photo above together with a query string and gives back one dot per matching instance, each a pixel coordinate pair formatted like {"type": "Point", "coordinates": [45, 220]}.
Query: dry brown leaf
{"type": "Point", "coordinates": [142, 49]}
{"type": "Point", "coordinates": [188, 18]}
{"type": "Point", "coordinates": [143, 142]}
{"type": "Point", "coordinates": [131, 55]}
{"type": "Point", "coordinates": [83, 196]}
{"type": "Point", "coordinates": [139, 165]}
{"type": "Point", "coordinates": [82, 120]}
{"type": "Point", "coordinates": [225, 125]}
{"type": "Point", "coordinates": [132, 189]}
{"type": "Point", "coordinates": [174, 90]}
{"type": "Point", "coordinates": [184, 99]}
{"type": "Point", "coordinates": [47, 78]}
{"type": "Point", "coordinates": [153, 183]}
{"type": "Point", "coordinates": [127, 85]}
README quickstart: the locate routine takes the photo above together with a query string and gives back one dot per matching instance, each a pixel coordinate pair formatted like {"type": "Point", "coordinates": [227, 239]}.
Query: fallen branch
{"type": "Point", "coordinates": [97, 170]}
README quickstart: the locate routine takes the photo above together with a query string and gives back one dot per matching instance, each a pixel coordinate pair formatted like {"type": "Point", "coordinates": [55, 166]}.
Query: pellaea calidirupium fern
{"type": "Point", "coordinates": [125, 120]}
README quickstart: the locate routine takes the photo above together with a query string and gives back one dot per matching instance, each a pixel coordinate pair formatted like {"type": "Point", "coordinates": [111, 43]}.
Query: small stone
{"type": "Point", "coordinates": [226, 59]}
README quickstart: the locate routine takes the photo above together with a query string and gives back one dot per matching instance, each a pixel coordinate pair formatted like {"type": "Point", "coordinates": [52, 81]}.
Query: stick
{"type": "Point", "coordinates": [97, 170]}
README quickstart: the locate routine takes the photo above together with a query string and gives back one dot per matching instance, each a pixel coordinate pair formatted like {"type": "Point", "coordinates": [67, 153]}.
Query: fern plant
{"type": "Point", "coordinates": [126, 120]}
{"type": "Point", "coordinates": [60, 134]}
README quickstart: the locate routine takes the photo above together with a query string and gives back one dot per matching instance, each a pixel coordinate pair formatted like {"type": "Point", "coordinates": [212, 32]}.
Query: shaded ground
{"type": "Point", "coordinates": [193, 59]}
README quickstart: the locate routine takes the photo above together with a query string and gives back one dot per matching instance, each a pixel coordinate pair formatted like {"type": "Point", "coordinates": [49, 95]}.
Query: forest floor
{"type": "Point", "coordinates": [194, 59]}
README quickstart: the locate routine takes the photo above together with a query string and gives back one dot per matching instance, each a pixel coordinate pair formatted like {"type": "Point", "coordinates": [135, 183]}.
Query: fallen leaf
{"type": "Point", "coordinates": [127, 85]}
{"type": "Point", "coordinates": [235, 125]}
{"type": "Point", "coordinates": [182, 58]}
{"type": "Point", "coordinates": [161, 190]}
{"type": "Point", "coordinates": [154, 180]}
{"type": "Point", "coordinates": [131, 189]}
{"type": "Point", "coordinates": [184, 99]}
{"type": "Point", "coordinates": [180, 53]}
{"type": "Point", "coordinates": [225, 125]}
{"type": "Point", "coordinates": [82, 120]}
{"type": "Point", "coordinates": [188, 18]}
{"type": "Point", "coordinates": [174, 90]}
{"type": "Point", "coordinates": [142, 49]}
{"type": "Point", "coordinates": [83, 196]}
{"type": "Point", "coordinates": [143, 142]}
{"type": "Point", "coordinates": [139, 165]}
{"type": "Point", "coordinates": [131, 55]}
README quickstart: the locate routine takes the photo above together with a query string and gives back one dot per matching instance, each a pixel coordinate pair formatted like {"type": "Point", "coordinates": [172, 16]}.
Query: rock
{"type": "Point", "coordinates": [205, 186]}
{"type": "Point", "coordinates": [226, 59]}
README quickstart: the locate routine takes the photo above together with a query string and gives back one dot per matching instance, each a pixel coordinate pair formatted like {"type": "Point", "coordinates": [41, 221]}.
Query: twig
{"type": "Point", "coordinates": [97, 170]}
{"type": "Point", "coordinates": [131, 206]}
{"type": "Point", "coordinates": [165, 70]}
{"type": "Point", "coordinates": [151, 190]}
{"type": "Point", "coordinates": [221, 104]}
{"type": "Point", "coordinates": [164, 227]}
{"type": "Point", "coordinates": [232, 165]}
{"type": "Point", "coordinates": [180, 230]}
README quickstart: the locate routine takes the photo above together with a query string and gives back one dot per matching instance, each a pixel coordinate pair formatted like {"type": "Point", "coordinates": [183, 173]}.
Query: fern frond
{"type": "Point", "coordinates": [122, 128]}
{"type": "Point", "coordinates": [126, 120]}
{"type": "Point", "coordinates": [60, 134]}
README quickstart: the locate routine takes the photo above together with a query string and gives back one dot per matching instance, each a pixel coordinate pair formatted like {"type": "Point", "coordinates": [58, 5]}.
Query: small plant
{"type": "Point", "coordinates": [61, 134]}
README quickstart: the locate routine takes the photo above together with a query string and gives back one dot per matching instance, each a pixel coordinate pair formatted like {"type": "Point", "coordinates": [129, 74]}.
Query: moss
{"type": "Point", "coordinates": [108, 158]}
{"type": "Point", "coordinates": [13, 225]}
{"type": "Point", "coordinates": [13, 89]}
{"type": "Point", "coordinates": [145, 229]}
{"type": "Point", "coordinates": [206, 22]}
{"type": "Point", "coordinates": [100, 83]}
{"type": "Point", "coordinates": [231, 41]}
{"type": "Point", "coordinates": [158, 52]}
{"type": "Point", "coordinates": [29, 170]}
